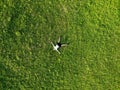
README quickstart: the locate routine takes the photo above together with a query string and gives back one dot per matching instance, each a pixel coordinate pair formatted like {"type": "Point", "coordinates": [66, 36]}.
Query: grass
{"type": "Point", "coordinates": [90, 62]}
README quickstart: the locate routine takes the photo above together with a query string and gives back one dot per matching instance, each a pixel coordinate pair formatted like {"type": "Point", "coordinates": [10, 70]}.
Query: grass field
{"type": "Point", "coordinates": [91, 61]}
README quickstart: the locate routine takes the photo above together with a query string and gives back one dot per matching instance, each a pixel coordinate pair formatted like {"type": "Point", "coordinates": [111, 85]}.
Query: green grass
{"type": "Point", "coordinates": [90, 62]}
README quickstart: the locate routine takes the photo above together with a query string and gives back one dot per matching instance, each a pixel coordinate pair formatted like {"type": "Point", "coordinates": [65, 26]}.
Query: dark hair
{"type": "Point", "coordinates": [59, 44]}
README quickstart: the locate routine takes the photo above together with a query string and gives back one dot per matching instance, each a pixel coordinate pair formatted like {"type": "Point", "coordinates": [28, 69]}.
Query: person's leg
{"type": "Point", "coordinates": [58, 51]}
{"type": "Point", "coordinates": [52, 44]}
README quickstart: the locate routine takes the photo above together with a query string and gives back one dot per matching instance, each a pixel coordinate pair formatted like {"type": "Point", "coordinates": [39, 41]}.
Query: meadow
{"type": "Point", "coordinates": [91, 61]}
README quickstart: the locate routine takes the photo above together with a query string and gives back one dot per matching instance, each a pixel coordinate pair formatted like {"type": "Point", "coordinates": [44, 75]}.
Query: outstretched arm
{"type": "Point", "coordinates": [59, 40]}
{"type": "Point", "coordinates": [64, 45]}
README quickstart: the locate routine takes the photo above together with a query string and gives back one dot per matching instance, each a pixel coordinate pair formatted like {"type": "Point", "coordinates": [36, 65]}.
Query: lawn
{"type": "Point", "coordinates": [91, 61]}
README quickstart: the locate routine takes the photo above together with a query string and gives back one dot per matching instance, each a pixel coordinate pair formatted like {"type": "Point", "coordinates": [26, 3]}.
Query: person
{"type": "Point", "coordinates": [58, 45]}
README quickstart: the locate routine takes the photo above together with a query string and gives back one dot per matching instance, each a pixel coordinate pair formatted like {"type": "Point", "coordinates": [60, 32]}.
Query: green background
{"type": "Point", "coordinates": [91, 61]}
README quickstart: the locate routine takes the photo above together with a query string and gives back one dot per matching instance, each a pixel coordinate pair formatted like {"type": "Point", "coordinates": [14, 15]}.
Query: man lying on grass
{"type": "Point", "coordinates": [58, 45]}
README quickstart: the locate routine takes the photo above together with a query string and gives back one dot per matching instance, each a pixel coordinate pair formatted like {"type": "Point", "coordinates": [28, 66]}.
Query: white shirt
{"type": "Point", "coordinates": [56, 47]}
